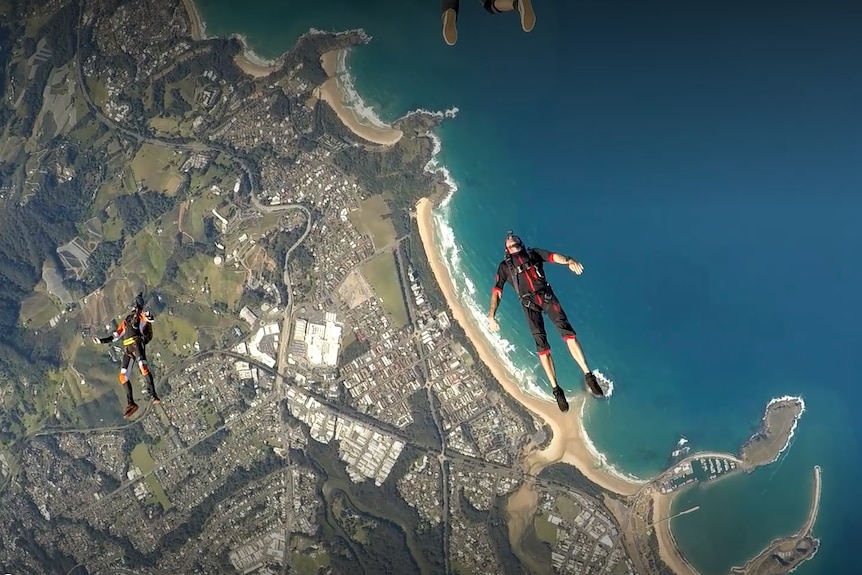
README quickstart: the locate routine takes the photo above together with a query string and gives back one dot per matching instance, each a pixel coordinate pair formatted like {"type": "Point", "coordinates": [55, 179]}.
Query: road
{"type": "Point", "coordinates": [200, 147]}
{"type": "Point", "coordinates": [645, 492]}
{"type": "Point", "coordinates": [435, 414]}
{"type": "Point", "coordinates": [279, 388]}
{"type": "Point", "coordinates": [281, 362]}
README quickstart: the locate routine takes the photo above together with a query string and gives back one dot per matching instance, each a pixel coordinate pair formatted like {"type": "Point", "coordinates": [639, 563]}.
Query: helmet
{"type": "Point", "coordinates": [511, 237]}
{"type": "Point", "coordinates": [139, 302]}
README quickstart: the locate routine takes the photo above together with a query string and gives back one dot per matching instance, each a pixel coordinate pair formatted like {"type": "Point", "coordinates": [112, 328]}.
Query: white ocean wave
{"type": "Point", "coordinates": [465, 288]}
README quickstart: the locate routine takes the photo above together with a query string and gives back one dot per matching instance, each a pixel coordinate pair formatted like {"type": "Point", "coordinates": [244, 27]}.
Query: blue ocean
{"type": "Point", "coordinates": [704, 162]}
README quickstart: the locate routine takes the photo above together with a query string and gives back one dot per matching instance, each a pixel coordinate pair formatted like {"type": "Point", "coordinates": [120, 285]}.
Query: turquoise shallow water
{"type": "Point", "coordinates": [702, 163]}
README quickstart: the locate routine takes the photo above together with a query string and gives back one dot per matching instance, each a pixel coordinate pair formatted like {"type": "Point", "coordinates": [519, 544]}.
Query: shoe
{"type": "Point", "coordinates": [528, 17]}
{"type": "Point", "coordinates": [560, 396]}
{"type": "Point", "coordinates": [593, 385]}
{"type": "Point", "coordinates": [130, 410]}
{"type": "Point", "coordinates": [450, 30]}
{"type": "Point", "coordinates": [156, 401]}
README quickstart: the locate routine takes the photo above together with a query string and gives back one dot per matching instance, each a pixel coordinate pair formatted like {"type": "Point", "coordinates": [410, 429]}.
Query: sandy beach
{"type": "Point", "coordinates": [666, 543]}
{"type": "Point", "coordinates": [245, 60]}
{"type": "Point", "coordinates": [195, 23]}
{"type": "Point", "coordinates": [331, 93]}
{"type": "Point", "coordinates": [567, 444]}
{"type": "Point", "coordinates": [252, 68]}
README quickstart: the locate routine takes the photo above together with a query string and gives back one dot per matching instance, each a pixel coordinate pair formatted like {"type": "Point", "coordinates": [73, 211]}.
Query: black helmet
{"type": "Point", "coordinates": [139, 302]}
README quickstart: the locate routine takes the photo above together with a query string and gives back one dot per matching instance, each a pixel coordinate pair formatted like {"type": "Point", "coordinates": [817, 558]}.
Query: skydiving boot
{"type": "Point", "coordinates": [131, 406]}
{"type": "Point", "coordinates": [528, 17]}
{"type": "Point", "coordinates": [450, 28]}
{"type": "Point", "coordinates": [593, 385]}
{"type": "Point", "coordinates": [130, 410]}
{"type": "Point", "coordinates": [560, 396]}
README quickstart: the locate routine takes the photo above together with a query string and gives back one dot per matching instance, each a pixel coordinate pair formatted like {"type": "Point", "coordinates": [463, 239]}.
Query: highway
{"type": "Point", "coordinates": [279, 387]}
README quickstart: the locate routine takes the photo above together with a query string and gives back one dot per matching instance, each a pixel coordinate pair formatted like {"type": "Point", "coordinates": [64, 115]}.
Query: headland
{"type": "Point", "coordinates": [785, 554]}
{"type": "Point", "coordinates": [776, 430]}
{"type": "Point", "coordinates": [762, 448]}
{"type": "Point", "coordinates": [247, 61]}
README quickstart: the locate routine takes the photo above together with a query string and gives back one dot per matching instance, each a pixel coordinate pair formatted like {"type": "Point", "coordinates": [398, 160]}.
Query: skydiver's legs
{"type": "Point", "coordinates": [537, 328]}
{"type": "Point", "coordinates": [524, 8]}
{"type": "Point", "coordinates": [450, 15]}
{"type": "Point", "coordinates": [450, 20]}
{"type": "Point", "coordinates": [131, 406]}
{"type": "Point", "coordinates": [557, 315]}
{"type": "Point", "coordinates": [144, 366]}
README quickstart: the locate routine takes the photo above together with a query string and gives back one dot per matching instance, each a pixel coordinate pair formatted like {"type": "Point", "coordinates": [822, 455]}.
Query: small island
{"type": "Point", "coordinates": [762, 448]}
{"type": "Point", "coordinates": [785, 554]}
{"type": "Point", "coordinates": [776, 430]}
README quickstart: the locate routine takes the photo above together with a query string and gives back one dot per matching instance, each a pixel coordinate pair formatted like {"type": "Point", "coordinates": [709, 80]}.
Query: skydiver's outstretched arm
{"type": "Point", "coordinates": [113, 337]}
{"type": "Point", "coordinates": [557, 258]}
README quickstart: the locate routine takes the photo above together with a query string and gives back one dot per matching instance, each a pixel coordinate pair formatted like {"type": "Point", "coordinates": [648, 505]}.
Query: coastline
{"type": "Point", "coordinates": [331, 92]}
{"type": "Point", "coordinates": [247, 60]}
{"type": "Point", "coordinates": [568, 443]}
{"type": "Point", "coordinates": [668, 550]}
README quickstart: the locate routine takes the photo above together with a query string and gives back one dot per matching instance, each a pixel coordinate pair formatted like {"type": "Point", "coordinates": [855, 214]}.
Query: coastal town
{"type": "Point", "coordinates": [324, 408]}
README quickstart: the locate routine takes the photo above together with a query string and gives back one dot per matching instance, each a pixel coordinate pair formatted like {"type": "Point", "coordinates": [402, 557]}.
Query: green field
{"type": "Point", "coordinates": [382, 274]}
{"type": "Point", "coordinates": [545, 530]}
{"type": "Point", "coordinates": [38, 309]}
{"type": "Point", "coordinates": [85, 133]}
{"type": "Point", "coordinates": [373, 219]}
{"type": "Point", "coordinates": [309, 564]}
{"type": "Point", "coordinates": [156, 167]}
{"type": "Point", "coordinates": [259, 227]}
{"type": "Point", "coordinates": [165, 125]}
{"type": "Point", "coordinates": [175, 333]}
{"type": "Point", "coordinates": [186, 87]}
{"type": "Point", "coordinates": [225, 282]}
{"type": "Point", "coordinates": [94, 365]}
{"type": "Point", "coordinates": [568, 508]}
{"type": "Point", "coordinates": [142, 459]}
{"type": "Point", "coordinates": [147, 255]}
{"type": "Point", "coordinates": [97, 92]}
{"type": "Point", "coordinates": [79, 393]}
{"type": "Point", "coordinates": [217, 173]}
{"type": "Point", "coordinates": [199, 208]}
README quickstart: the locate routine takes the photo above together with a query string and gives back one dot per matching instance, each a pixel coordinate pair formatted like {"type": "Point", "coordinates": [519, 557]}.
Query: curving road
{"type": "Point", "coordinates": [286, 279]}
{"type": "Point", "coordinates": [281, 362]}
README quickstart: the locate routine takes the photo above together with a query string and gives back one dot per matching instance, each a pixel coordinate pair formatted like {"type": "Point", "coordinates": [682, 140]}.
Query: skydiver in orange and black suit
{"type": "Point", "coordinates": [136, 331]}
{"type": "Point", "coordinates": [523, 267]}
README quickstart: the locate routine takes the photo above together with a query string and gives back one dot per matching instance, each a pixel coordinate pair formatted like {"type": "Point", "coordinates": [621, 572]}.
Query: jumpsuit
{"type": "Point", "coordinates": [136, 331]}
{"type": "Point", "coordinates": [525, 271]}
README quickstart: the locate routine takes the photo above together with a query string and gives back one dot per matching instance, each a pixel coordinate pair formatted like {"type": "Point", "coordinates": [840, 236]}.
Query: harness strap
{"type": "Point", "coordinates": [515, 271]}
